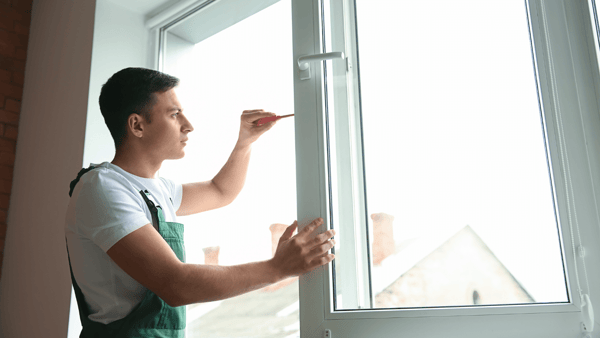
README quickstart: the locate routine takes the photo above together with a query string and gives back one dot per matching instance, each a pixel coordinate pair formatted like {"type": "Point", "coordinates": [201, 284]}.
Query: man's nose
{"type": "Point", "coordinates": [187, 126]}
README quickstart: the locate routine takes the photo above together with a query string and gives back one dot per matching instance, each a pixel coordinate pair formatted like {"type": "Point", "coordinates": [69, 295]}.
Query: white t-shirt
{"type": "Point", "coordinates": [106, 205]}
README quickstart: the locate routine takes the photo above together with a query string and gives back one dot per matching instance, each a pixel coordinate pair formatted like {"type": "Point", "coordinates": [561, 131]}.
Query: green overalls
{"type": "Point", "coordinates": [152, 317]}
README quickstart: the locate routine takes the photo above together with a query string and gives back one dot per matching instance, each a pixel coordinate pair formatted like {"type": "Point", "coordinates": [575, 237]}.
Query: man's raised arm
{"type": "Point", "coordinates": [228, 183]}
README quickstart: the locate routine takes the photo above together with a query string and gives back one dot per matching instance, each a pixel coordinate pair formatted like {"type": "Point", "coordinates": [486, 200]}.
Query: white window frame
{"type": "Point", "coordinates": [568, 78]}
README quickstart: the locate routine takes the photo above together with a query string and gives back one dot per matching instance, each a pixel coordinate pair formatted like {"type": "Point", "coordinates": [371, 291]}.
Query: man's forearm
{"type": "Point", "coordinates": [199, 283]}
{"type": "Point", "coordinates": [230, 180]}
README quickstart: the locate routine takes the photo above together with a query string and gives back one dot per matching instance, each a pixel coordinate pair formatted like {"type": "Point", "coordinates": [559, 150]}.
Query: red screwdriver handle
{"type": "Point", "coordinates": [270, 119]}
{"type": "Point", "coordinates": [267, 120]}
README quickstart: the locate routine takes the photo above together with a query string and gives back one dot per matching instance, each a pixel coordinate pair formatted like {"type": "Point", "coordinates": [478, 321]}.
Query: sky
{"type": "Point", "coordinates": [452, 131]}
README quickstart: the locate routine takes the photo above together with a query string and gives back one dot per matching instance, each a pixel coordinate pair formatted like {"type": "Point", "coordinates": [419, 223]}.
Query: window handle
{"type": "Point", "coordinates": [304, 62]}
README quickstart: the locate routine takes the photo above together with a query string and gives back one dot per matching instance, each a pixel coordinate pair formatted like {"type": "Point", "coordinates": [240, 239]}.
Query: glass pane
{"type": "Point", "coordinates": [458, 189]}
{"type": "Point", "coordinates": [246, 66]}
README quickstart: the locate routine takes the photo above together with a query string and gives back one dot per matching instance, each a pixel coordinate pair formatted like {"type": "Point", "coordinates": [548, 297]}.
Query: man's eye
{"type": "Point", "coordinates": [175, 114]}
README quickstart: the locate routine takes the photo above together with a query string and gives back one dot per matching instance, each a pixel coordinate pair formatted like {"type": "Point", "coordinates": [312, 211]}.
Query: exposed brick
{"type": "Point", "coordinates": [8, 117]}
{"type": "Point", "coordinates": [3, 214]}
{"type": "Point", "coordinates": [6, 20]}
{"type": "Point", "coordinates": [2, 100]}
{"type": "Point", "coordinates": [9, 146]}
{"type": "Point", "coordinates": [18, 40]}
{"type": "Point", "coordinates": [3, 228]}
{"type": "Point", "coordinates": [5, 186]}
{"type": "Point", "coordinates": [23, 40]}
{"type": "Point", "coordinates": [7, 158]}
{"type": "Point", "coordinates": [25, 18]}
{"type": "Point", "coordinates": [14, 91]}
{"type": "Point", "coordinates": [6, 62]}
{"type": "Point", "coordinates": [2, 129]}
{"type": "Point", "coordinates": [10, 132]}
{"type": "Point", "coordinates": [4, 76]}
{"type": "Point", "coordinates": [10, 63]}
{"type": "Point", "coordinates": [20, 54]}
{"type": "Point", "coordinates": [12, 105]}
{"type": "Point", "coordinates": [4, 201]}
{"type": "Point", "coordinates": [6, 173]}
{"type": "Point", "coordinates": [6, 49]}
{"type": "Point", "coordinates": [23, 6]}
{"type": "Point", "coordinates": [19, 65]}
{"type": "Point", "coordinates": [21, 29]}
{"type": "Point", "coordinates": [11, 12]}
{"type": "Point", "coordinates": [18, 77]}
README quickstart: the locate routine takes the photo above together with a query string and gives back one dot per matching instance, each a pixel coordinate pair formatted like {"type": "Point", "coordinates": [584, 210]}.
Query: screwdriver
{"type": "Point", "coordinates": [271, 118]}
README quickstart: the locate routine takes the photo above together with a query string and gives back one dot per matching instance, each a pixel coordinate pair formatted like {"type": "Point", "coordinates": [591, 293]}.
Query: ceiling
{"type": "Point", "coordinates": [148, 8]}
{"type": "Point", "coordinates": [201, 24]}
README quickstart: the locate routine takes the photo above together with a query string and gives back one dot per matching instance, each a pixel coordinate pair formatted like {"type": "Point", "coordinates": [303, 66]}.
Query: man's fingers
{"type": "Point", "coordinates": [321, 238]}
{"type": "Point", "coordinates": [287, 234]}
{"type": "Point", "coordinates": [321, 249]}
{"type": "Point", "coordinates": [322, 260]}
{"type": "Point", "coordinates": [258, 112]}
{"type": "Point", "coordinates": [312, 226]}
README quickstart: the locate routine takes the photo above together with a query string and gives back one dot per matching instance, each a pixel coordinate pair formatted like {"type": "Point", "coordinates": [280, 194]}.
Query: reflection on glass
{"type": "Point", "coordinates": [459, 197]}
{"type": "Point", "coordinates": [245, 66]}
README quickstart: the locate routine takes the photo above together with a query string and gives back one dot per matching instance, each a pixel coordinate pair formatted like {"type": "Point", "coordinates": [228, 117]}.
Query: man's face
{"type": "Point", "coordinates": [165, 136]}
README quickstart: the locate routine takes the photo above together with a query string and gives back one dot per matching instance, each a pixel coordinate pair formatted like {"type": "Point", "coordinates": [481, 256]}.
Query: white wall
{"type": "Point", "coordinates": [178, 51]}
{"type": "Point", "coordinates": [120, 41]}
{"type": "Point", "coordinates": [74, 46]}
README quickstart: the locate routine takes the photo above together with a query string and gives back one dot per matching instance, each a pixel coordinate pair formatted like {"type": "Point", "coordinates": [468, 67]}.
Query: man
{"type": "Point", "coordinates": [125, 247]}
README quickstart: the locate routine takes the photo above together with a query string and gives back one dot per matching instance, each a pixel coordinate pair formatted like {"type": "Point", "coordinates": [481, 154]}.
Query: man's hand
{"type": "Point", "coordinates": [249, 131]}
{"type": "Point", "coordinates": [296, 255]}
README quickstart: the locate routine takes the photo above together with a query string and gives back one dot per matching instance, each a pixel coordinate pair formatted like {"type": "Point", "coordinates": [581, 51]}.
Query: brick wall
{"type": "Point", "coordinates": [15, 18]}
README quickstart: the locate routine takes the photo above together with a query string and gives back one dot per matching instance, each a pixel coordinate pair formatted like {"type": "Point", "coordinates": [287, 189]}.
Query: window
{"type": "Point", "coordinates": [451, 155]}
{"type": "Point", "coordinates": [467, 183]}
{"type": "Point", "coordinates": [448, 133]}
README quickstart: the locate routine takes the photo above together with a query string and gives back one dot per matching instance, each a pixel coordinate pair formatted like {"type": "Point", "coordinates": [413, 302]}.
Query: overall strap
{"type": "Point", "coordinates": [153, 209]}
{"type": "Point", "coordinates": [83, 313]}
{"type": "Point", "coordinates": [74, 182]}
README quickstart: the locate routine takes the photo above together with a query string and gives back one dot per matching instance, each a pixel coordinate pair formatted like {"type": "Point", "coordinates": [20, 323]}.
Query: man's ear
{"type": "Point", "coordinates": [135, 123]}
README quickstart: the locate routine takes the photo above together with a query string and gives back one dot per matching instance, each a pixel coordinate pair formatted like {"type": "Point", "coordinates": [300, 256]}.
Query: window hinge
{"type": "Point", "coordinates": [588, 314]}
{"type": "Point", "coordinates": [581, 251]}
{"type": "Point", "coordinates": [327, 333]}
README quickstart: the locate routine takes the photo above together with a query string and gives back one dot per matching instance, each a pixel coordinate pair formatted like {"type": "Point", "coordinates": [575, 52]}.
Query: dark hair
{"type": "Point", "coordinates": [131, 91]}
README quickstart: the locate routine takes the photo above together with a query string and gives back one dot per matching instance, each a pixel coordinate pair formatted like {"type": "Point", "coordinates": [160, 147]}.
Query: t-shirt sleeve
{"type": "Point", "coordinates": [176, 191]}
{"type": "Point", "coordinates": [108, 209]}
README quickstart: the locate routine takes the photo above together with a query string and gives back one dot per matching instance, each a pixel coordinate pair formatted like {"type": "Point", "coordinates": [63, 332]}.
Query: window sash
{"type": "Point", "coordinates": [566, 77]}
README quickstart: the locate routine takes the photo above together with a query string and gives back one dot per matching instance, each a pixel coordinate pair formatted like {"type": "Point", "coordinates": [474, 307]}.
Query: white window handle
{"type": "Point", "coordinates": [304, 62]}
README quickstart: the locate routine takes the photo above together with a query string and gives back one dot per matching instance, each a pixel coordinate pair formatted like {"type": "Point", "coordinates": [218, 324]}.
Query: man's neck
{"type": "Point", "coordinates": [136, 164]}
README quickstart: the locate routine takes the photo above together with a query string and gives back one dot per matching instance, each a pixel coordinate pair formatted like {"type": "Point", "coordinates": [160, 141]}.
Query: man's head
{"type": "Point", "coordinates": [131, 91]}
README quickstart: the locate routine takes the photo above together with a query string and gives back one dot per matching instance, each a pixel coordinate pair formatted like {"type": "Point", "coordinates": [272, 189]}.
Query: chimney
{"type": "Point", "coordinates": [383, 237]}
{"type": "Point", "coordinates": [211, 255]}
{"type": "Point", "coordinates": [277, 229]}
